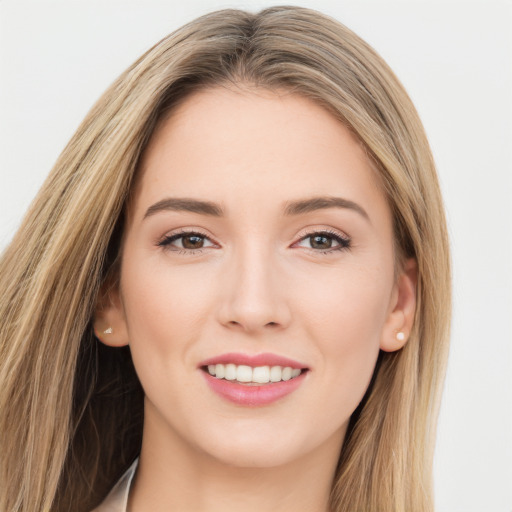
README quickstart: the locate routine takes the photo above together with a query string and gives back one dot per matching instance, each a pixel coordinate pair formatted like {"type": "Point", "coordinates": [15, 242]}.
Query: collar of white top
{"type": "Point", "coordinates": [117, 499]}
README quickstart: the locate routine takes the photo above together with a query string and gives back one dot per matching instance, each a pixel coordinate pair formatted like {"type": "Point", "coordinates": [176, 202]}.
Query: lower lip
{"type": "Point", "coordinates": [241, 394]}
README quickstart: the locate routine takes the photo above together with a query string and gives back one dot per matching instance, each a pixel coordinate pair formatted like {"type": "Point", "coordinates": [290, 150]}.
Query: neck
{"type": "Point", "coordinates": [172, 475]}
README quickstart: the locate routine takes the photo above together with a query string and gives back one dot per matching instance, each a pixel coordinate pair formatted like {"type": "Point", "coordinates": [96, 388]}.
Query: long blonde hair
{"type": "Point", "coordinates": [70, 408]}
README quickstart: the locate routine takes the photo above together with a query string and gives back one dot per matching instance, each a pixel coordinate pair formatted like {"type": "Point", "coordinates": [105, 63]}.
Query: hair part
{"type": "Point", "coordinates": [71, 408]}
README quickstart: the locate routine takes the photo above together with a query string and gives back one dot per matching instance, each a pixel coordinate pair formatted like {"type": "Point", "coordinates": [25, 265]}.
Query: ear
{"type": "Point", "coordinates": [398, 326]}
{"type": "Point", "coordinates": [109, 317]}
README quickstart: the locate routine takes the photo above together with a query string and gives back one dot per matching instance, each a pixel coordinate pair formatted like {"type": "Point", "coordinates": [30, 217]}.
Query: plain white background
{"type": "Point", "coordinates": [455, 59]}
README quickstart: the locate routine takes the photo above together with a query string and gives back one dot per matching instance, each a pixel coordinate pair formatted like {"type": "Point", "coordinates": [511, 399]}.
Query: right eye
{"type": "Point", "coordinates": [186, 241]}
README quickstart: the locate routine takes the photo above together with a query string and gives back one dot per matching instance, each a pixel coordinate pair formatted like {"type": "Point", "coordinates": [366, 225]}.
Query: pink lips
{"type": "Point", "coordinates": [253, 395]}
{"type": "Point", "coordinates": [256, 360]}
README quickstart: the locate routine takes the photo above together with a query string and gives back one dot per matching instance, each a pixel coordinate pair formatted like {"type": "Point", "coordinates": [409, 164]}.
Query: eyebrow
{"type": "Point", "coordinates": [292, 208]}
{"type": "Point", "coordinates": [321, 203]}
{"type": "Point", "coordinates": [183, 204]}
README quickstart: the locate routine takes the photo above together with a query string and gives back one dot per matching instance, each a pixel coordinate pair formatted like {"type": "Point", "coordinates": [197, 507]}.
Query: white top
{"type": "Point", "coordinates": [117, 499]}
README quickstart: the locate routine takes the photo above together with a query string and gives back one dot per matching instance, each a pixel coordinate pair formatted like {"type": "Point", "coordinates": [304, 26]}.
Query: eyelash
{"type": "Point", "coordinates": [167, 241]}
{"type": "Point", "coordinates": [343, 241]}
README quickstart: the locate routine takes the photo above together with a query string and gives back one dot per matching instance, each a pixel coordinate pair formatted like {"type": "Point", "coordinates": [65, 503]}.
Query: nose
{"type": "Point", "coordinates": [254, 295]}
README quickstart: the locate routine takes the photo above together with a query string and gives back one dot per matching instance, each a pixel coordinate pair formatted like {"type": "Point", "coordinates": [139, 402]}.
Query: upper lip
{"type": "Point", "coordinates": [266, 359]}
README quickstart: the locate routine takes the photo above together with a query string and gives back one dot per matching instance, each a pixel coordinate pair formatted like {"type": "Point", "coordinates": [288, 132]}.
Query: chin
{"type": "Point", "coordinates": [255, 455]}
{"type": "Point", "coordinates": [259, 444]}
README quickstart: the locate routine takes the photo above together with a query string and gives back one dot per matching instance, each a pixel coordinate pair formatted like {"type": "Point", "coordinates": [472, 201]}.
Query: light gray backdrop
{"type": "Point", "coordinates": [454, 58]}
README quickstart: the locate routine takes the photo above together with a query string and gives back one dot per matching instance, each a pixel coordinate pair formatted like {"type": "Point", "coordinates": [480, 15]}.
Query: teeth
{"type": "Point", "coordinates": [258, 375]}
{"type": "Point", "coordinates": [230, 373]}
{"type": "Point", "coordinates": [219, 371]}
{"type": "Point", "coordinates": [275, 373]}
{"type": "Point", "coordinates": [243, 373]}
{"type": "Point", "coordinates": [287, 373]}
{"type": "Point", "coordinates": [261, 374]}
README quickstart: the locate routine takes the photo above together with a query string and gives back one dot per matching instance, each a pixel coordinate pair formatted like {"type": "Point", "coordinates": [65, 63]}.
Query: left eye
{"type": "Point", "coordinates": [324, 241]}
{"type": "Point", "coordinates": [188, 241]}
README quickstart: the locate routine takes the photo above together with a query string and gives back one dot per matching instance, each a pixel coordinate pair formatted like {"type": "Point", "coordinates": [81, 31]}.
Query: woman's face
{"type": "Point", "coordinates": [258, 237]}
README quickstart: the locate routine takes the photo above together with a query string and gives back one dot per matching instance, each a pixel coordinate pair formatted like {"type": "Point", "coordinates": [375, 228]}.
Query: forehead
{"type": "Point", "coordinates": [229, 143]}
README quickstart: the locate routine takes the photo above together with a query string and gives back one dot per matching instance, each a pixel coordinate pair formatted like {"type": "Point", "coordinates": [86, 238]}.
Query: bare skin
{"type": "Point", "coordinates": [316, 284]}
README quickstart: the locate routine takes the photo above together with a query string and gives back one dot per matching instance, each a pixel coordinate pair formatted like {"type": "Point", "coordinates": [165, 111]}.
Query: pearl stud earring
{"type": "Point", "coordinates": [400, 336]}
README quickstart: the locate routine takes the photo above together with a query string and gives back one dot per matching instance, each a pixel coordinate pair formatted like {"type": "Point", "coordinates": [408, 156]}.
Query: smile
{"type": "Point", "coordinates": [244, 374]}
{"type": "Point", "coordinates": [253, 380]}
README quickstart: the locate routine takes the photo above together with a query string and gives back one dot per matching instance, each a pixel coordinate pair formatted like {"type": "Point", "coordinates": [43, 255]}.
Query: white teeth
{"type": "Point", "coordinates": [287, 373]}
{"type": "Point", "coordinates": [243, 373]}
{"type": "Point", "coordinates": [275, 373]}
{"type": "Point", "coordinates": [219, 371]}
{"type": "Point", "coordinates": [261, 374]}
{"type": "Point", "coordinates": [258, 375]}
{"type": "Point", "coordinates": [230, 373]}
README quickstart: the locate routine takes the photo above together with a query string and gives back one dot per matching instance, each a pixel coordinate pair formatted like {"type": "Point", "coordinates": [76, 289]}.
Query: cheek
{"type": "Point", "coordinates": [349, 304]}
{"type": "Point", "coordinates": [345, 316]}
{"type": "Point", "coordinates": [164, 311]}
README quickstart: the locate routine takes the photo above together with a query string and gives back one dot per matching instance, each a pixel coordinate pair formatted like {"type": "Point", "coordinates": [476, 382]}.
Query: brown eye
{"type": "Point", "coordinates": [188, 241]}
{"type": "Point", "coordinates": [320, 242]}
{"type": "Point", "coordinates": [192, 242]}
{"type": "Point", "coordinates": [325, 242]}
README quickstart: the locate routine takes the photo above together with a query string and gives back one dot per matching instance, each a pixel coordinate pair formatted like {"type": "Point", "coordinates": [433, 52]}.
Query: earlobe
{"type": "Point", "coordinates": [109, 319]}
{"type": "Point", "coordinates": [400, 320]}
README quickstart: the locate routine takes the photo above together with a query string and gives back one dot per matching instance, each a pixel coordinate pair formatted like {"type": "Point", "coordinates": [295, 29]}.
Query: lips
{"type": "Point", "coordinates": [253, 380]}
{"type": "Point", "coordinates": [253, 360]}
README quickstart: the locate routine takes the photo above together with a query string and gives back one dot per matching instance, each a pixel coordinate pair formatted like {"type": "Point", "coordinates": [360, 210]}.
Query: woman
{"type": "Point", "coordinates": [233, 288]}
